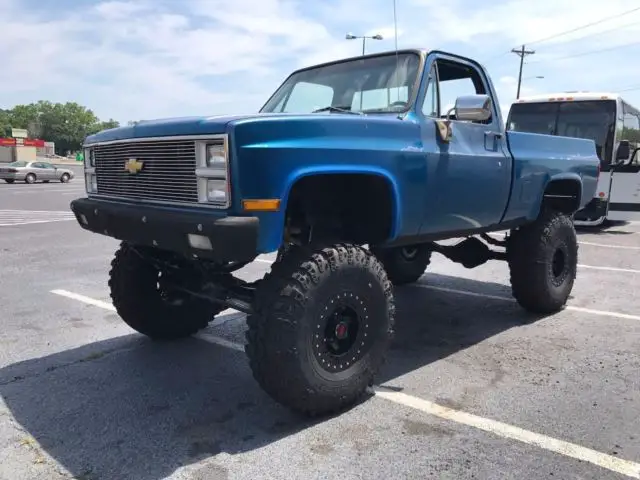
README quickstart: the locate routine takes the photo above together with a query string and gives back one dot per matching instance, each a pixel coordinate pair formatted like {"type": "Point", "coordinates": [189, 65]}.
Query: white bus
{"type": "Point", "coordinates": [613, 124]}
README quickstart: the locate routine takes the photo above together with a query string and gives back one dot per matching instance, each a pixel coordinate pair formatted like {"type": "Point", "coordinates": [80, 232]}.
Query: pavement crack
{"type": "Point", "coordinates": [52, 368]}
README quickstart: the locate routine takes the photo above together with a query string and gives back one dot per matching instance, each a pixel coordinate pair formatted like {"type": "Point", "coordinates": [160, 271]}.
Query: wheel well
{"type": "Point", "coordinates": [357, 208]}
{"type": "Point", "coordinates": [563, 195]}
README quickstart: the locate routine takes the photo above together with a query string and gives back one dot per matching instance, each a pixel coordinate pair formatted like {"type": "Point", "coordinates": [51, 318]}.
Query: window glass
{"type": "Point", "coordinates": [377, 81]}
{"type": "Point", "coordinates": [306, 97]}
{"type": "Point", "coordinates": [430, 104]}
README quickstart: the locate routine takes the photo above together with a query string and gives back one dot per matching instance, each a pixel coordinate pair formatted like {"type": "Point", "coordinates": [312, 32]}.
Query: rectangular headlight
{"type": "Point", "coordinates": [217, 158]}
{"type": "Point", "coordinates": [212, 160]}
{"type": "Point", "coordinates": [217, 190]}
{"type": "Point", "coordinates": [91, 183]}
{"type": "Point", "coordinates": [89, 158]}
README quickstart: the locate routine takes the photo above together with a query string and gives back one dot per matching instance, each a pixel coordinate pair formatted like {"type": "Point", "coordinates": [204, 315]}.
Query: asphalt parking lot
{"type": "Point", "coordinates": [474, 387]}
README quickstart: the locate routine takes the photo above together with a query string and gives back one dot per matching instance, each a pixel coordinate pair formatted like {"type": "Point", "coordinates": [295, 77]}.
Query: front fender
{"type": "Point", "coordinates": [272, 223]}
{"type": "Point", "coordinates": [273, 154]}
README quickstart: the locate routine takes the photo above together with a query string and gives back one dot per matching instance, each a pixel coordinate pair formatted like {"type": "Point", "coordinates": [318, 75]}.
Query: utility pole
{"type": "Point", "coordinates": [521, 52]}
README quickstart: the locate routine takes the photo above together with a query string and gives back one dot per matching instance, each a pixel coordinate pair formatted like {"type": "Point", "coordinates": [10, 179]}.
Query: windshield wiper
{"type": "Point", "coordinates": [342, 109]}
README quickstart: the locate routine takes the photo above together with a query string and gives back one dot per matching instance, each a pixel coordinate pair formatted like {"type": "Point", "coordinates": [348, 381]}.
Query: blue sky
{"type": "Point", "coordinates": [139, 59]}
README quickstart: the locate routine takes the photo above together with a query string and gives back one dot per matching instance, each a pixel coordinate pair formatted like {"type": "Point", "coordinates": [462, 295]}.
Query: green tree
{"type": "Point", "coordinates": [5, 124]}
{"type": "Point", "coordinates": [66, 124]}
{"type": "Point", "coordinates": [631, 134]}
{"type": "Point", "coordinates": [111, 123]}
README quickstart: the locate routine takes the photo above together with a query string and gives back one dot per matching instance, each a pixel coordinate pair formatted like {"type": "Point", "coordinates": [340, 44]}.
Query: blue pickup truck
{"type": "Point", "coordinates": [352, 172]}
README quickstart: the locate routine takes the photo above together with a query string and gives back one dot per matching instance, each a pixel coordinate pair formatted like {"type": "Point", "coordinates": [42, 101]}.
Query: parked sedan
{"type": "Point", "coordinates": [31, 172]}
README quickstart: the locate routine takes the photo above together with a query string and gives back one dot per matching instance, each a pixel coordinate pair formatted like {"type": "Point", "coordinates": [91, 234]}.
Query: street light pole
{"type": "Point", "coordinates": [536, 77]}
{"type": "Point", "coordinates": [351, 36]}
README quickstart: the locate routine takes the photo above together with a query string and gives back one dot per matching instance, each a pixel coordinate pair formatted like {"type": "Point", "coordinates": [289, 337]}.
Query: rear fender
{"type": "Point", "coordinates": [540, 160]}
{"type": "Point", "coordinates": [558, 185]}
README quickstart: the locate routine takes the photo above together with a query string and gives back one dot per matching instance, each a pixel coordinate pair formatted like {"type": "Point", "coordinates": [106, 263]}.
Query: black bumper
{"type": "Point", "coordinates": [593, 210]}
{"type": "Point", "coordinates": [231, 238]}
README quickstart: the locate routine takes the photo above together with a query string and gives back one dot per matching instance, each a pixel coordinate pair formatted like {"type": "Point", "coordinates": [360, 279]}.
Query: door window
{"type": "Point", "coordinates": [456, 79]}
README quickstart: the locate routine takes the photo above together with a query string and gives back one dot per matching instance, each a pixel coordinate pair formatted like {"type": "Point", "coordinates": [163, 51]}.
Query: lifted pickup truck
{"type": "Point", "coordinates": [353, 153]}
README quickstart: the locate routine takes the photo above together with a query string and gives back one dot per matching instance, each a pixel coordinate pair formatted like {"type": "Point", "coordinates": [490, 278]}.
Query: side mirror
{"type": "Point", "coordinates": [474, 108]}
{"type": "Point", "coordinates": [624, 150]}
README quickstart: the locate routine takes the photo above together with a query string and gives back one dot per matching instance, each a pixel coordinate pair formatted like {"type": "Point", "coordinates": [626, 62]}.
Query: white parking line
{"type": "Point", "coordinates": [603, 460]}
{"type": "Point", "coordinates": [588, 267]}
{"type": "Point", "coordinates": [615, 464]}
{"type": "Point", "coordinates": [610, 269]}
{"type": "Point", "coordinates": [605, 245]}
{"type": "Point", "coordinates": [9, 218]}
{"type": "Point", "coordinates": [85, 299]}
{"type": "Point", "coordinates": [31, 223]}
{"type": "Point", "coordinates": [48, 192]}
{"type": "Point", "coordinates": [591, 311]}
{"type": "Point", "coordinates": [39, 187]}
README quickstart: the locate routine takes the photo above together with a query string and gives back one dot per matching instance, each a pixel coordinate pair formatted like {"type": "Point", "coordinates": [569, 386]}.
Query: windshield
{"type": "Point", "coordinates": [375, 84]}
{"type": "Point", "coordinates": [594, 120]}
{"type": "Point", "coordinates": [17, 164]}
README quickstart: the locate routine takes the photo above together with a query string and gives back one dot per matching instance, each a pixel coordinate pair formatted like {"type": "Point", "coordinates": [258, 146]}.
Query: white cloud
{"type": "Point", "coordinates": [131, 59]}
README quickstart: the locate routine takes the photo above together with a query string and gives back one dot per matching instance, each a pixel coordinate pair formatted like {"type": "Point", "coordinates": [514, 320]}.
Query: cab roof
{"type": "Point", "coordinates": [423, 52]}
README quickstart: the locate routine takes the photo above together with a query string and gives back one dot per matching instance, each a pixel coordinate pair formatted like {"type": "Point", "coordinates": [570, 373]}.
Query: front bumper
{"type": "Point", "coordinates": [230, 238]}
{"type": "Point", "coordinates": [594, 210]}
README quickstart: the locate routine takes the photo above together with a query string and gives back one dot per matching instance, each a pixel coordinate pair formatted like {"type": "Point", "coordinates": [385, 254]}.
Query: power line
{"type": "Point", "coordinates": [489, 60]}
{"type": "Point", "coordinates": [629, 89]}
{"type": "Point", "coordinates": [581, 27]}
{"type": "Point", "coordinates": [566, 32]}
{"type": "Point", "coordinates": [521, 53]}
{"type": "Point", "coordinates": [589, 52]}
{"type": "Point", "coordinates": [593, 34]}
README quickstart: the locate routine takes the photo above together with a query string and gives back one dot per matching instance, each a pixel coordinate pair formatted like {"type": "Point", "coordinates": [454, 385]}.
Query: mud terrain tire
{"type": "Point", "coordinates": [543, 261]}
{"type": "Point", "coordinates": [322, 323]}
{"type": "Point", "coordinates": [404, 265]}
{"type": "Point", "coordinates": [148, 308]}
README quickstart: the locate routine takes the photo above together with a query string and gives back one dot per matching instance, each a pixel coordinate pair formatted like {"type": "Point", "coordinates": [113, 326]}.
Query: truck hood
{"type": "Point", "coordinates": [168, 127]}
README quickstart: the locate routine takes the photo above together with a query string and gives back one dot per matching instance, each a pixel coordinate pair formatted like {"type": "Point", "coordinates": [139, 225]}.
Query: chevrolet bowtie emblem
{"type": "Point", "coordinates": [133, 166]}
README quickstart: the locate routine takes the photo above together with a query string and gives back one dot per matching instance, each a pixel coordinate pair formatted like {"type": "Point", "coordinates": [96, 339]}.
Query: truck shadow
{"type": "Point", "coordinates": [129, 408]}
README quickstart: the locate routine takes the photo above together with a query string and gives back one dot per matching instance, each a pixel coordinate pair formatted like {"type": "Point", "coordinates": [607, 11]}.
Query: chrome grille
{"type": "Point", "coordinates": [168, 172]}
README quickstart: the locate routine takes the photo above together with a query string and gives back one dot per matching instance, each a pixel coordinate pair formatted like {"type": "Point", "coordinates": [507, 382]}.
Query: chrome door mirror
{"type": "Point", "coordinates": [474, 108]}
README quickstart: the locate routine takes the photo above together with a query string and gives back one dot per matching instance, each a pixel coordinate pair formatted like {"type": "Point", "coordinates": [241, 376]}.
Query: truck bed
{"type": "Point", "coordinates": [539, 159]}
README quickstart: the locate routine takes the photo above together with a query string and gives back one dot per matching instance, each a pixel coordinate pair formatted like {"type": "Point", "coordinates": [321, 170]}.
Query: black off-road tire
{"type": "Point", "coordinates": [289, 334]}
{"type": "Point", "coordinates": [140, 303]}
{"type": "Point", "coordinates": [543, 262]}
{"type": "Point", "coordinates": [404, 265]}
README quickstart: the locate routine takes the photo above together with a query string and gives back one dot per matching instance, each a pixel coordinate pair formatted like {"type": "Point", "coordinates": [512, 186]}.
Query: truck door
{"type": "Point", "coordinates": [624, 196]}
{"type": "Point", "coordinates": [469, 177]}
